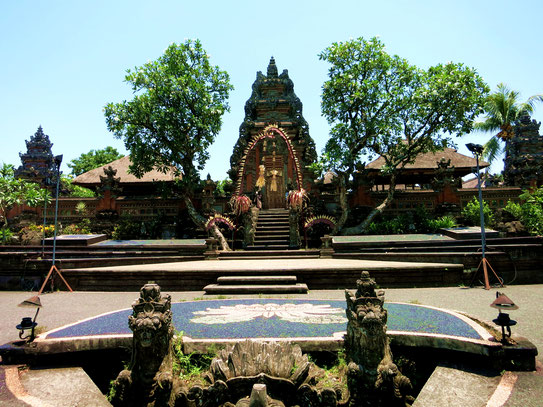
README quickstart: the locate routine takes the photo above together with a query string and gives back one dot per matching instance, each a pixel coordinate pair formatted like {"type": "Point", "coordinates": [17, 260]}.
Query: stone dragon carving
{"type": "Point", "coordinates": [373, 378]}
{"type": "Point", "coordinates": [148, 381]}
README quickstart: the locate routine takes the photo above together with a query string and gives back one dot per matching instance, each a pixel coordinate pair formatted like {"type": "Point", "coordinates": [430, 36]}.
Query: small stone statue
{"type": "Point", "coordinates": [149, 381]}
{"type": "Point", "coordinates": [373, 378]}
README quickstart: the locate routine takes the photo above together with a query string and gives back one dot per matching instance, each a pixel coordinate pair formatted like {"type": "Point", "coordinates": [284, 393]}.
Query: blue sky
{"type": "Point", "coordinates": [62, 61]}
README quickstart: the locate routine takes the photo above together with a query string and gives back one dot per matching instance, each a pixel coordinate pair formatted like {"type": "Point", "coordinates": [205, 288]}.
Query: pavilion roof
{"type": "Point", "coordinates": [428, 161]}
{"type": "Point", "coordinates": [92, 177]}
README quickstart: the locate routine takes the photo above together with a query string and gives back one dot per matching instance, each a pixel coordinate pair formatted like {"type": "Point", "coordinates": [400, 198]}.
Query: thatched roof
{"type": "Point", "coordinates": [428, 161]}
{"type": "Point", "coordinates": [92, 177]}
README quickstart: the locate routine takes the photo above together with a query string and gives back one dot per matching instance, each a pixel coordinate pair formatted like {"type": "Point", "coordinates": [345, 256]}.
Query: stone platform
{"type": "Point", "coordinates": [315, 273]}
{"type": "Point", "coordinates": [469, 232]}
{"type": "Point", "coordinates": [75, 240]}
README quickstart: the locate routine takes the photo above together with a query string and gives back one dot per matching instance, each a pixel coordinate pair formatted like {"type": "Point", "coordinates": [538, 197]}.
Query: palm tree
{"type": "Point", "coordinates": [502, 110]}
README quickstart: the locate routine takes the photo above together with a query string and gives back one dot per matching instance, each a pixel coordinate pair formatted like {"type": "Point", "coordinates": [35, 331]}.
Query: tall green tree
{"type": "Point", "coordinates": [174, 116]}
{"type": "Point", "coordinates": [380, 105]}
{"type": "Point", "coordinates": [502, 109]}
{"type": "Point", "coordinates": [93, 159]}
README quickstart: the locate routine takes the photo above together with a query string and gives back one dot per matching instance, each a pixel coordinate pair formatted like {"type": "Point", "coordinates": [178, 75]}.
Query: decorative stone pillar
{"type": "Point", "coordinates": [327, 250]}
{"type": "Point", "coordinates": [212, 250]}
{"type": "Point", "coordinates": [294, 228]}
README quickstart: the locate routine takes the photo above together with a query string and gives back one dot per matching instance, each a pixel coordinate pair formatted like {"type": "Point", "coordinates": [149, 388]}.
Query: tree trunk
{"type": "Point", "coordinates": [343, 204]}
{"type": "Point", "coordinates": [200, 221]}
{"type": "Point", "coordinates": [361, 227]}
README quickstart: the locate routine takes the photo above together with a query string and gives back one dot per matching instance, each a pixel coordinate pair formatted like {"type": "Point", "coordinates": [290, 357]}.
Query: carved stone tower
{"type": "Point", "coordinates": [524, 155]}
{"type": "Point", "coordinates": [274, 165]}
{"type": "Point", "coordinates": [38, 162]}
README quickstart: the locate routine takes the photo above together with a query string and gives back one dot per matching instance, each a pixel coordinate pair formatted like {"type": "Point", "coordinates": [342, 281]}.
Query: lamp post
{"type": "Point", "coordinates": [58, 161]}
{"type": "Point", "coordinates": [477, 151]}
{"type": "Point", "coordinates": [47, 183]}
{"type": "Point", "coordinates": [28, 323]}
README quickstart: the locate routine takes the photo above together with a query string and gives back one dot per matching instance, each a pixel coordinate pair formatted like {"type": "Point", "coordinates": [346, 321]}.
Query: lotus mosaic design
{"type": "Point", "coordinates": [300, 313]}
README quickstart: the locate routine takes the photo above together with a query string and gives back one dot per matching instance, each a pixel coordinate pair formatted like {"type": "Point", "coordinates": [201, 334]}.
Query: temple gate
{"type": "Point", "coordinates": [274, 146]}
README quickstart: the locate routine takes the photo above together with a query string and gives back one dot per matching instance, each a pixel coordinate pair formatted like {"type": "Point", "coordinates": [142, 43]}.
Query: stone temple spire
{"type": "Point", "coordinates": [38, 161]}
{"type": "Point", "coordinates": [272, 68]}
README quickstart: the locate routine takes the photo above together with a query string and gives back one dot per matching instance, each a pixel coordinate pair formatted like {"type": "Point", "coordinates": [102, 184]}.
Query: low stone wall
{"type": "Point", "coordinates": [25, 267]}
{"type": "Point", "coordinates": [516, 260]}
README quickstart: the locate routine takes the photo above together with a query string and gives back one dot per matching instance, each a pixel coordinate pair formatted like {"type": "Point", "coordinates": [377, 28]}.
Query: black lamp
{"type": "Point", "coordinates": [27, 323]}
{"type": "Point", "coordinates": [503, 302]}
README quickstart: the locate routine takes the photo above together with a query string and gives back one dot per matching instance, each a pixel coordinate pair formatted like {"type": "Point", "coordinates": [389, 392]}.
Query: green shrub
{"type": "Point", "coordinates": [5, 235]}
{"type": "Point", "coordinates": [472, 215]}
{"type": "Point", "coordinates": [444, 222]}
{"type": "Point", "coordinates": [127, 229]}
{"type": "Point", "coordinates": [34, 233]}
{"type": "Point", "coordinates": [514, 209]}
{"type": "Point", "coordinates": [530, 212]}
{"type": "Point", "coordinates": [417, 221]}
{"type": "Point", "coordinates": [81, 228]}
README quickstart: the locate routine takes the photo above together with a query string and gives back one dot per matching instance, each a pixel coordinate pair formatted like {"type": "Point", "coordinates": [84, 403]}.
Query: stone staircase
{"type": "Point", "coordinates": [272, 230]}
{"type": "Point", "coordinates": [256, 284]}
{"type": "Point", "coordinates": [271, 242]}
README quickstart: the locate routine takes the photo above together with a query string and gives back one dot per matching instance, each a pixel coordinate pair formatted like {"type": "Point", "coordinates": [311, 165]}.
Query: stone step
{"type": "Point", "coordinates": [267, 241]}
{"type": "Point", "coordinates": [269, 247]}
{"type": "Point", "coordinates": [270, 217]}
{"type": "Point", "coordinates": [242, 280]}
{"type": "Point", "coordinates": [298, 288]}
{"type": "Point", "coordinates": [269, 255]}
{"type": "Point", "coordinates": [272, 227]}
{"type": "Point", "coordinates": [274, 210]}
{"type": "Point", "coordinates": [272, 222]}
{"type": "Point", "coordinates": [272, 232]}
{"type": "Point", "coordinates": [266, 253]}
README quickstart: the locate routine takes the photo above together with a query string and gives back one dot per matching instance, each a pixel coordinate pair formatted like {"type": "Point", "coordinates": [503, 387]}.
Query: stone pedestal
{"type": "Point", "coordinates": [326, 251]}
{"type": "Point", "coordinates": [212, 250]}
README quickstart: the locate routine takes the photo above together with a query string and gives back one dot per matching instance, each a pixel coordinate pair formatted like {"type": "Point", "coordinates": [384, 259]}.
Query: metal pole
{"type": "Point", "coordinates": [483, 237]}
{"type": "Point", "coordinates": [44, 222]}
{"type": "Point", "coordinates": [56, 215]}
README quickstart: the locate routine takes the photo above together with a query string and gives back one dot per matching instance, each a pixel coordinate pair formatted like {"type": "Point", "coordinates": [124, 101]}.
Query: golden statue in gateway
{"type": "Point", "coordinates": [261, 181]}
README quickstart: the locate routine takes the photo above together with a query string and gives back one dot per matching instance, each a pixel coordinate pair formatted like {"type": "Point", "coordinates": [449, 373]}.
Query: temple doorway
{"type": "Point", "coordinates": [275, 181]}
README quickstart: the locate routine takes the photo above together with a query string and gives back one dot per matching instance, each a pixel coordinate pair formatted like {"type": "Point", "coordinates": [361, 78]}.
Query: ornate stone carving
{"type": "Point", "coordinates": [288, 375]}
{"type": "Point", "coordinates": [257, 373]}
{"type": "Point", "coordinates": [148, 381]}
{"type": "Point", "coordinates": [373, 378]}
{"type": "Point", "coordinates": [109, 182]}
{"type": "Point", "coordinates": [444, 175]}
